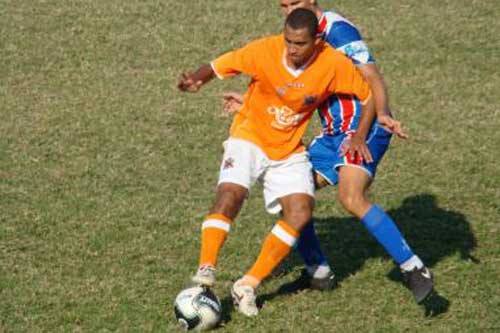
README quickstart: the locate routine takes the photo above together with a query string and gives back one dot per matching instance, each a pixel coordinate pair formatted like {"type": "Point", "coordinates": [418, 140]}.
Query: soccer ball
{"type": "Point", "coordinates": [197, 308]}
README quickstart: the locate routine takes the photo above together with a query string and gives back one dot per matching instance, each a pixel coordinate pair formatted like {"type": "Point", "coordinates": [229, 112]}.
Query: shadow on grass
{"type": "Point", "coordinates": [435, 304]}
{"type": "Point", "coordinates": [432, 232]}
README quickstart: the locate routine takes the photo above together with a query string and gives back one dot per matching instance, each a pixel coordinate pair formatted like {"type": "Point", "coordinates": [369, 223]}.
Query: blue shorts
{"type": "Point", "coordinates": [325, 153]}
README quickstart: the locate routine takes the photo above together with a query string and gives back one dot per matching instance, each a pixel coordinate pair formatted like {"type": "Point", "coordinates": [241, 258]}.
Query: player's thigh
{"type": "Point", "coordinates": [353, 185]}
{"type": "Point", "coordinates": [319, 180]}
{"type": "Point", "coordinates": [353, 179]}
{"type": "Point", "coordinates": [242, 163]}
{"type": "Point", "coordinates": [283, 178]}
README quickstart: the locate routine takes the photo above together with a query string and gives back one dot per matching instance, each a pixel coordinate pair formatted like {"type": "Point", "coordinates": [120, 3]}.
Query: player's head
{"type": "Point", "coordinates": [287, 6]}
{"type": "Point", "coordinates": [300, 36]}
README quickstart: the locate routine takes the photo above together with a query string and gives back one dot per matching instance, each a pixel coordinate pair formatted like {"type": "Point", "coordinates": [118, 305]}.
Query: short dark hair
{"type": "Point", "coordinates": [301, 18]}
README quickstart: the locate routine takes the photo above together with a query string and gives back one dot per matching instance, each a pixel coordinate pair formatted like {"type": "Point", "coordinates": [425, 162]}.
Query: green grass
{"type": "Point", "coordinates": [106, 171]}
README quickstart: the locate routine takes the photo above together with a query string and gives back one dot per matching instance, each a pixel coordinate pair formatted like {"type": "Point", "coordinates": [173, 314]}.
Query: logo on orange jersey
{"type": "Point", "coordinates": [281, 91]}
{"type": "Point", "coordinates": [309, 100]}
{"type": "Point", "coordinates": [284, 117]}
{"type": "Point", "coordinates": [297, 85]}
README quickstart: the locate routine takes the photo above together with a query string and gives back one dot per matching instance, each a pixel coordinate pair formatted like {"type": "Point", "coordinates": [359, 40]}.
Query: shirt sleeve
{"type": "Point", "coordinates": [242, 60]}
{"type": "Point", "coordinates": [346, 38]}
{"type": "Point", "coordinates": [349, 81]}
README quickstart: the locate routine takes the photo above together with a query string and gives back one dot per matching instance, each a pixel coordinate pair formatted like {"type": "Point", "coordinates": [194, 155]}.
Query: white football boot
{"type": "Point", "coordinates": [244, 299]}
{"type": "Point", "coordinates": [205, 276]}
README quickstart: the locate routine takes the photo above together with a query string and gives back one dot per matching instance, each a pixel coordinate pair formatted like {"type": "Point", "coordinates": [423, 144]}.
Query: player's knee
{"type": "Point", "coordinates": [298, 220]}
{"type": "Point", "coordinates": [352, 202]}
{"type": "Point", "coordinates": [298, 216]}
{"type": "Point", "coordinates": [231, 198]}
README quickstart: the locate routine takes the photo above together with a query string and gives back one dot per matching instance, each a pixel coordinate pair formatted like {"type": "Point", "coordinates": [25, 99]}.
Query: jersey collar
{"type": "Point", "coordinates": [296, 72]}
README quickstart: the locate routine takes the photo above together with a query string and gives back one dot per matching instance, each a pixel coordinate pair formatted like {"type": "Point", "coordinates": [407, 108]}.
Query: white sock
{"type": "Point", "coordinates": [412, 263]}
{"type": "Point", "coordinates": [319, 272]}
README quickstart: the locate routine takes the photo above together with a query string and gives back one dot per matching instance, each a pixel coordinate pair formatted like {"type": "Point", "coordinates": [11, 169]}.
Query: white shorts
{"type": "Point", "coordinates": [244, 163]}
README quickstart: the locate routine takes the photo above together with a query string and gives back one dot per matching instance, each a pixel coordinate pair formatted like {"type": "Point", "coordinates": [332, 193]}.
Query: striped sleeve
{"type": "Point", "coordinates": [348, 80]}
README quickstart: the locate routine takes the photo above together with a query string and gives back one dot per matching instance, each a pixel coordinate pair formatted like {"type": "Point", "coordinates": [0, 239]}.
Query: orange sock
{"type": "Point", "coordinates": [214, 232]}
{"type": "Point", "coordinates": [275, 248]}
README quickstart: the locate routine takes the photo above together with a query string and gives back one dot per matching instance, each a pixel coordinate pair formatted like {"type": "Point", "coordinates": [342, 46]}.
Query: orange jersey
{"type": "Point", "coordinates": [280, 101]}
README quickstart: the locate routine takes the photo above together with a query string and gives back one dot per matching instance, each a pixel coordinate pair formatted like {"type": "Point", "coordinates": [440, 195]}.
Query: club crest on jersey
{"type": "Point", "coordinates": [309, 100]}
{"type": "Point", "coordinates": [284, 117]}
{"type": "Point", "coordinates": [228, 163]}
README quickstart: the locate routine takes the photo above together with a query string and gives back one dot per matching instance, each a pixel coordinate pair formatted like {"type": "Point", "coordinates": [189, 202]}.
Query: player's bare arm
{"type": "Point", "coordinates": [192, 82]}
{"type": "Point", "coordinates": [372, 74]}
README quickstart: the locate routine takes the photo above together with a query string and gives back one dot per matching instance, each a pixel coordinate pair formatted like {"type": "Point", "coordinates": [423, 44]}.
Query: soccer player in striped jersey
{"type": "Point", "coordinates": [340, 117]}
{"type": "Point", "coordinates": [292, 74]}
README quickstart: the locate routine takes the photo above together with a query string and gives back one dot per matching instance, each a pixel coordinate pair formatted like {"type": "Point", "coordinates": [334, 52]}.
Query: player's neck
{"type": "Point", "coordinates": [301, 65]}
{"type": "Point", "coordinates": [292, 65]}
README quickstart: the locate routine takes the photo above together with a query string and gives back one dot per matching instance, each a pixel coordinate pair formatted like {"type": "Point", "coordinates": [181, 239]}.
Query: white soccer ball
{"type": "Point", "coordinates": [197, 308]}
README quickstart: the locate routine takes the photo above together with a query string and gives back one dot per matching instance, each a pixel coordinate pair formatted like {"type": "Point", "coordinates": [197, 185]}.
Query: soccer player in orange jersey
{"type": "Point", "coordinates": [339, 118]}
{"type": "Point", "coordinates": [291, 74]}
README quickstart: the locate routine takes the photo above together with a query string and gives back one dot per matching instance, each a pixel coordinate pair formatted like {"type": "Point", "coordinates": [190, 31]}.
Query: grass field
{"type": "Point", "coordinates": [106, 171]}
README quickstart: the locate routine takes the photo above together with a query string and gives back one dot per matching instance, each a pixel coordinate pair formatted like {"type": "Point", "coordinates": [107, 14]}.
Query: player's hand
{"type": "Point", "coordinates": [231, 102]}
{"type": "Point", "coordinates": [392, 125]}
{"type": "Point", "coordinates": [188, 84]}
{"type": "Point", "coordinates": [356, 147]}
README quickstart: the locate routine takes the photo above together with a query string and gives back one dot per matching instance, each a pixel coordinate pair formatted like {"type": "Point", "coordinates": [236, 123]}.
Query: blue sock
{"type": "Point", "coordinates": [309, 248]}
{"type": "Point", "coordinates": [383, 228]}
